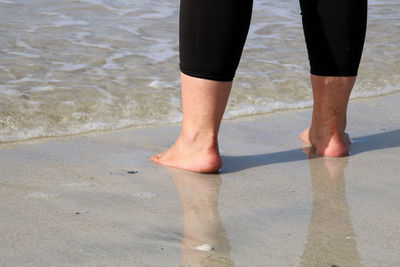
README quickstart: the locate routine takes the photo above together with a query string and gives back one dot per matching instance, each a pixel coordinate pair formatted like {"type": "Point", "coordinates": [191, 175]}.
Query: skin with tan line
{"type": "Point", "coordinates": [204, 102]}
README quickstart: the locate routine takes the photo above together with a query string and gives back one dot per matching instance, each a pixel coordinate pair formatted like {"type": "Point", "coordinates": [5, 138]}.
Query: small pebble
{"type": "Point", "coordinates": [205, 247]}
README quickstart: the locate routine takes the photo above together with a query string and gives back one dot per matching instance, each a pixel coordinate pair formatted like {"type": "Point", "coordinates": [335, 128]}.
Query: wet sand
{"type": "Point", "coordinates": [96, 199]}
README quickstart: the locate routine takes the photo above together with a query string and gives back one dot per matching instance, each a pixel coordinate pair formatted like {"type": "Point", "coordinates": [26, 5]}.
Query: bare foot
{"type": "Point", "coordinates": [194, 155]}
{"type": "Point", "coordinates": [326, 143]}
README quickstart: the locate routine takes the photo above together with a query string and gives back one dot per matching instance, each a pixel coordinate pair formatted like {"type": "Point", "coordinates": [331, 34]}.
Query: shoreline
{"type": "Point", "coordinates": [96, 199]}
{"type": "Point", "coordinates": [239, 117]}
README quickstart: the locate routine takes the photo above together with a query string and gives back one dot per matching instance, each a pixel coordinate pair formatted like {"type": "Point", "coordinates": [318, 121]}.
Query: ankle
{"type": "Point", "coordinates": [204, 139]}
{"type": "Point", "coordinates": [329, 125]}
{"type": "Point", "coordinates": [320, 132]}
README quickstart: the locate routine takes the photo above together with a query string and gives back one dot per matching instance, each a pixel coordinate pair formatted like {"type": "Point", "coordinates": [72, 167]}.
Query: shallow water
{"type": "Point", "coordinates": [69, 67]}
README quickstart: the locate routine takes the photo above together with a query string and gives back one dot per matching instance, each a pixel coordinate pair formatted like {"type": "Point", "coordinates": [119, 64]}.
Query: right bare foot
{"type": "Point", "coordinates": [331, 97]}
{"type": "Point", "coordinates": [193, 154]}
{"type": "Point", "coordinates": [326, 142]}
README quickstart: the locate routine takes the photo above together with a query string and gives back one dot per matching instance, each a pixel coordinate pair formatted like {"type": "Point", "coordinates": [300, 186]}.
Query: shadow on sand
{"type": "Point", "coordinates": [362, 144]}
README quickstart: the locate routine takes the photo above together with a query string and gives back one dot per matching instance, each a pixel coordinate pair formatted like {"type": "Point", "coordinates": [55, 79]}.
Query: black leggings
{"type": "Point", "coordinates": [213, 33]}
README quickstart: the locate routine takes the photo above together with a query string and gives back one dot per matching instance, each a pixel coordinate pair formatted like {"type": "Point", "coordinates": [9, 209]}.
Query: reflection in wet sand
{"type": "Point", "coordinates": [205, 241]}
{"type": "Point", "coordinates": [331, 239]}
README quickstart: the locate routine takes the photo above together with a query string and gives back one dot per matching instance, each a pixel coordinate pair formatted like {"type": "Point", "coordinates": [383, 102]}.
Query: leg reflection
{"type": "Point", "coordinates": [331, 240]}
{"type": "Point", "coordinates": [205, 241]}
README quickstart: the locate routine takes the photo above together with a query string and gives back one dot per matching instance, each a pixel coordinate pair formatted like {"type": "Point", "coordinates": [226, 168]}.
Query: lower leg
{"type": "Point", "coordinates": [327, 131]}
{"type": "Point", "coordinates": [203, 105]}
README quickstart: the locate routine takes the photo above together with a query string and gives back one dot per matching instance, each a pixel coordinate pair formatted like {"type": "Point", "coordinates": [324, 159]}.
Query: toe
{"type": "Point", "coordinates": [305, 136]}
{"type": "Point", "coordinates": [156, 158]}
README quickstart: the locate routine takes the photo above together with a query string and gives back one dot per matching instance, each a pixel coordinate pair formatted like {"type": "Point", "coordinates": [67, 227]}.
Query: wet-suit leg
{"type": "Point", "coordinates": [212, 35]}
{"type": "Point", "coordinates": [334, 31]}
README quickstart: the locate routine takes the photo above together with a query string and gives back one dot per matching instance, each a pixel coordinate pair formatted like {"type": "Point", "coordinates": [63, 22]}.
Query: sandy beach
{"type": "Point", "coordinates": [97, 200]}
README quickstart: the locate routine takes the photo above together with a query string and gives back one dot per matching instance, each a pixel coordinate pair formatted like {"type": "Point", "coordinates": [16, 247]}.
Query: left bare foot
{"type": "Point", "coordinates": [195, 154]}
